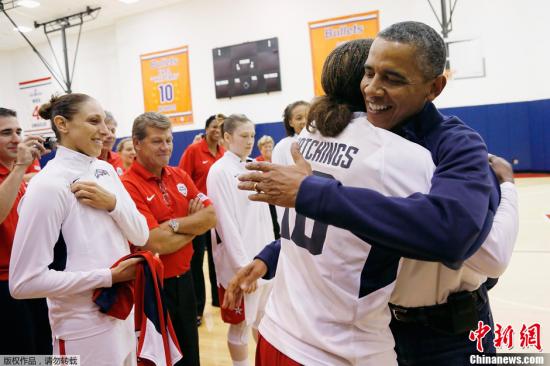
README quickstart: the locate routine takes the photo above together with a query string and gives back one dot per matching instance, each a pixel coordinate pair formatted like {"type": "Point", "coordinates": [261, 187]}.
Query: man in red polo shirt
{"type": "Point", "coordinates": [196, 161]}
{"type": "Point", "coordinates": [176, 212]}
{"type": "Point", "coordinates": [25, 321]}
{"type": "Point", "coordinates": [107, 153]}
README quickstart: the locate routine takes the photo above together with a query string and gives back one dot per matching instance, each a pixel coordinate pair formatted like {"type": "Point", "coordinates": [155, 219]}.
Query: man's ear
{"type": "Point", "coordinates": [437, 86]}
{"type": "Point", "coordinates": [136, 142]}
{"type": "Point", "coordinates": [61, 123]}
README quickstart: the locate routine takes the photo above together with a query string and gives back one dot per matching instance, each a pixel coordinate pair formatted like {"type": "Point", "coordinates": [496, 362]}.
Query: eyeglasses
{"type": "Point", "coordinates": [165, 195]}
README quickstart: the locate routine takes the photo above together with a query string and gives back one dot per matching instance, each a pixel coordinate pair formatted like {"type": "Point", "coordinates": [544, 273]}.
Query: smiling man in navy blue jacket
{"type": "Point", "coordinates": [403, 75]}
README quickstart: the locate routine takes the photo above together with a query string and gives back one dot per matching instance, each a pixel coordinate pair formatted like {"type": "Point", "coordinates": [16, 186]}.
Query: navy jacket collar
{"type": "Point", "coordinates": [421, 124]}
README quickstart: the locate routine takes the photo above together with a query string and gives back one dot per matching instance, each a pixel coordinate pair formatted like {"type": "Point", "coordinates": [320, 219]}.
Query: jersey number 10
{"type": "Point", "coordinates": [314, 245]}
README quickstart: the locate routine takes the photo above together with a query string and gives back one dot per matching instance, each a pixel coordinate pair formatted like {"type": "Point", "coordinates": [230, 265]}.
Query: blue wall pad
{"type": "Point", "coordinates": [183, 139]}
{"type": "Point", "coordinates": [519, 132]}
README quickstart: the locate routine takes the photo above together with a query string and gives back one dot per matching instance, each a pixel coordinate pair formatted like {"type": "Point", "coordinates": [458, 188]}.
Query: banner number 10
{"type": "Point", "coordinates": [166, 92]}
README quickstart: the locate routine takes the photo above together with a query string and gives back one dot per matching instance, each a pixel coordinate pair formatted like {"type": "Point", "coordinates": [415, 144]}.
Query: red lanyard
{"type": "Point", "coordinates": [165, 195]}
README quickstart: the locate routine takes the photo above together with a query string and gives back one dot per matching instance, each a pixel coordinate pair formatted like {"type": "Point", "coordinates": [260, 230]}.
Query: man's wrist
{"type": "Point", "coordinates": [20, 167]}
{"type": "Point", "coordinates": [174, 224]}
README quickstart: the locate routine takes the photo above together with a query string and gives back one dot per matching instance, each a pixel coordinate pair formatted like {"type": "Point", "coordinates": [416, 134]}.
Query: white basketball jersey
{"type": "Point", "coordinates": [244, 227]}
{"type": "Point", "coordinates": [331, 290]}
{"type": "Point", "coordinates": [281, 152]}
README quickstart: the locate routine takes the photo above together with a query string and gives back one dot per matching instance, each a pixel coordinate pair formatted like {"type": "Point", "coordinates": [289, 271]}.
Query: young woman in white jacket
{"type": "Point", "coordinates": [243, 228]}
{"type": "Point", "coordinates": [79, 204]}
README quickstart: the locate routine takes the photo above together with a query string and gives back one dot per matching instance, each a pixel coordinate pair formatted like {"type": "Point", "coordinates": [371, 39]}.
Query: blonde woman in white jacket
{"type": "Point", "coordinates": [243, 228]}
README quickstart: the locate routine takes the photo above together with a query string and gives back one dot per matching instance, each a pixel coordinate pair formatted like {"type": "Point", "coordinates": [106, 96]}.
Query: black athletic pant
{"type": "Point", "coordinates": [198, 275]}
{"type": "Point", "coordinates": [201, 243]}
{"type": "Point", "coordinates": [180, 300]}
{"type": "Point", "coordinates": [276, 227]}
{"type": "Point", "coordinates": [211, 270]}
{"type": "Point", "coordinates": [25, 324]}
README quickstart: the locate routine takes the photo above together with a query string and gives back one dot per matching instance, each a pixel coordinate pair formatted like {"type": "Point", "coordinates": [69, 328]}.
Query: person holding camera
{"type": "Point", "coordinates": [27, 320]}
{"type": "Point", "coordinates": [34, 168]}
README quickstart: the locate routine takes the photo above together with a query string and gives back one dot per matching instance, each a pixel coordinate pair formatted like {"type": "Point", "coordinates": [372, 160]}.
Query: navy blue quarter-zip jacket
{"type": "Point", "coordinates": [446, 225]}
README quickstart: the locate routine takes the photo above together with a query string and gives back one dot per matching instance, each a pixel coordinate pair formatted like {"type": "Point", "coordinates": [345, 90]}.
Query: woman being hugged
{"type": "Point", "coordinates": [243, 228]}
{"type": "Point", "coordinates": [75, 221]}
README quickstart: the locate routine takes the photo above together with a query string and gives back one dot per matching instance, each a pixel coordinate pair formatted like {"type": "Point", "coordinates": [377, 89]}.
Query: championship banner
{"type": "Point", "coordinates": [166, 84]}
{"type": "Point", "coordinates": [326, 35]}
{"type": "Point", "coordinates": [34, 93]}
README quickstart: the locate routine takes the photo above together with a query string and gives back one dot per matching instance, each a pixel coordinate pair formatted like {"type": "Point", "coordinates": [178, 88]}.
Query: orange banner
{"type": "Point", "coordinates": [326, 35]}
{"type": "Point", "coordinates": [166, 84]}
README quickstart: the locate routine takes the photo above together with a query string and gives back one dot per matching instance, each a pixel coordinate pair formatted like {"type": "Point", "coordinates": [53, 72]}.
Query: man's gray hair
{"type": "Point", "coordinates": [428, 43]}
{"type": "Point", "coordinates": [109, 118]}
{"type": "Point", "coordinates": [149, 119]}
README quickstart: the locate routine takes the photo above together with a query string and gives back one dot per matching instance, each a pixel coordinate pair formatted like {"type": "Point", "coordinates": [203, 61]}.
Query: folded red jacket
{"type": "Point", "coordinates": [157, 342]}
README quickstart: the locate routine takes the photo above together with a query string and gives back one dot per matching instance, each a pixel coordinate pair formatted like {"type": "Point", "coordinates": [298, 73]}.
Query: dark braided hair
{"type": "Point", "coordinates": [342, 73]}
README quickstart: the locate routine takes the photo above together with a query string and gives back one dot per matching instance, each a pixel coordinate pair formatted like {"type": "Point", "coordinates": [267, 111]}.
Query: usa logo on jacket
{"type": "Point", "coordinates": [182, 189]}
{"type": "Point", "coordinates": [100, 172]}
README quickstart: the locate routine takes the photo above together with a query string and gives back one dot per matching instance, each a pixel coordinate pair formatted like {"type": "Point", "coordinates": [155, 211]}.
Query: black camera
{"type": "Point", "coordinates": [50, 143]}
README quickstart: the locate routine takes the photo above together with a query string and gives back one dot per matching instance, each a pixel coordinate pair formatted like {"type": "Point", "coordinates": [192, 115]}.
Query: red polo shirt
{"type": "Point", "coordinates": [34, 167]}
{"type": "Point", "coordinates": [7, 227]}
{"type": "Point", "coordinates": [114, 159]}
{"type": "Point", "coordinates": [147, 192]}
{"type": "Point", "coordinates": [197, 160]}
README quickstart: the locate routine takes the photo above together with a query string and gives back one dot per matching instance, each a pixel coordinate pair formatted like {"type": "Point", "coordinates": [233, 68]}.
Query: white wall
{"type": "Point", "coordinates": [515, 40]}
{"type": "Point", "coordinates": [7, 95]}
{"type": "Point", "coordinates": [95, 72]}
{"type": "Point", "coordinates": [513, 37]}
